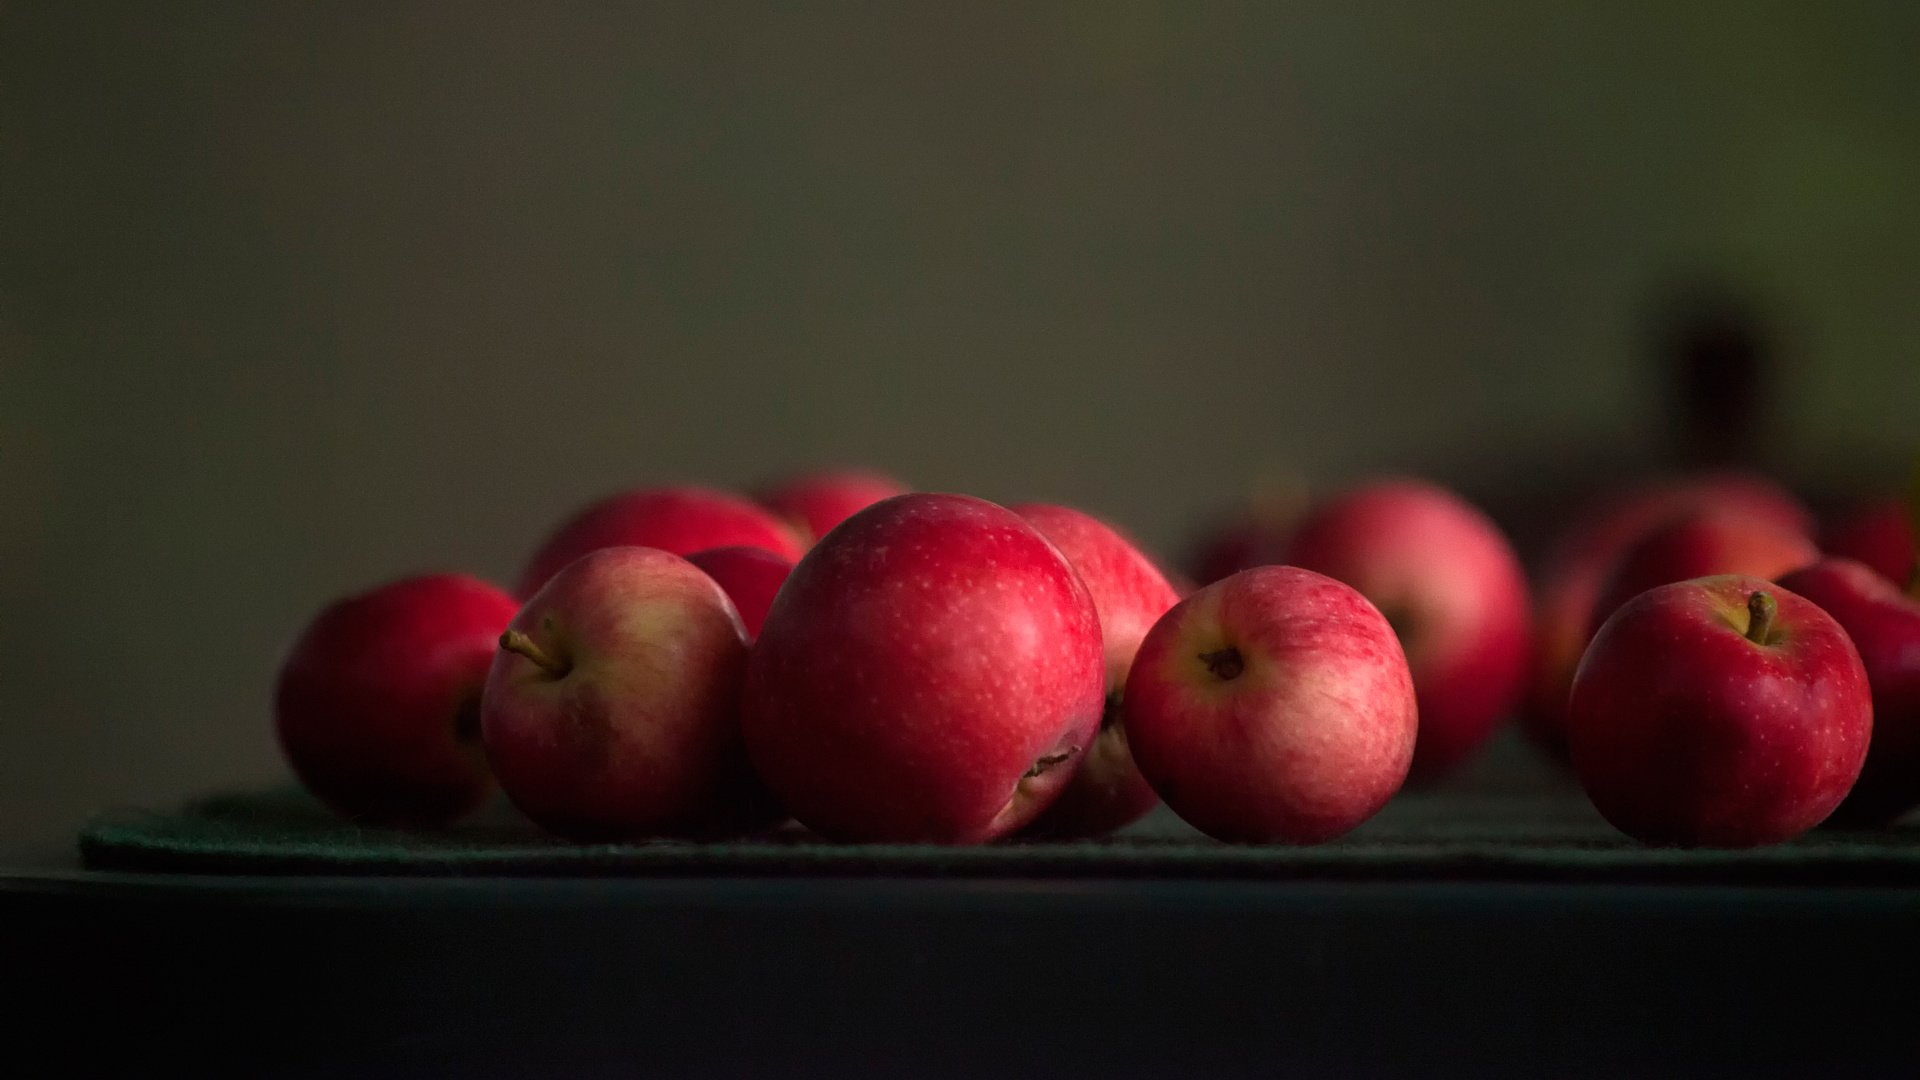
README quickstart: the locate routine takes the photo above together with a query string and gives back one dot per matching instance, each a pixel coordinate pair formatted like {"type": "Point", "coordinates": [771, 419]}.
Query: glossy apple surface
{"type": "Point", "coordinates": [931, 671]}
{"type": "Point", "coordinates": [1724, 711]}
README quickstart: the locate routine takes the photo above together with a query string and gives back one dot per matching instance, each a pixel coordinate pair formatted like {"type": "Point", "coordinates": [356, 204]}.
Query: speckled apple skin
{"type": "Point", "coordinates": [918, 663]}
{"type": "Point", "coordinates": [1884, 624]}
{"type": "Point", "coordinates": [1685, 733]}
{"type": "Point", "coordinates": [1130, 594]}
{"type": "Point", "coordinates": [678, 520]}
{"type": "Point", "coordinates": [1310, 739]}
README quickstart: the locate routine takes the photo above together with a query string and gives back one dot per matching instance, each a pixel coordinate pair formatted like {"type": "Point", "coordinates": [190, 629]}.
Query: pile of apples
{"type": "Point", "coordinates": [881, 665]}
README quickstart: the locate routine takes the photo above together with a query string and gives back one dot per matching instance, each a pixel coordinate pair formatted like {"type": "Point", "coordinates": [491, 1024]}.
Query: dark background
{"type": "Point", "coordinates": [299, 297]}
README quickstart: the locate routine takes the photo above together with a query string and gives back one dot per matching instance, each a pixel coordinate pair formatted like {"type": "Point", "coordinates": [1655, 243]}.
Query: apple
{"type": "Point", "coordinates": [377, 707]}
{"type": "Point", "coordinates": [1879, 535]}
{"type": "Point", "coordinates": [1275, 705]}
{"type": "Point", "coordinates": [1723, 711]}
{"type": "Point", "coordinates": [1575, 569]}
{"type": "Point", "coordinates": [750, 577]}
{"type": "Point", "coordinates": [1698, 544]}
{"type": "Point", "coordinates": [1450, 586]}
{"type": "Point", "coordinates": [612, 710]}
{"type": "Point", "coordinates": [678, 520]}
{"type": "Point", "coordinates": [1884, 624]}
{"type": "Point", "coordinates": [1130, 594]}
{"type": "Point", "coordinates": [816, 502]}
{"type": "Point", "coordinates": [930, 672]}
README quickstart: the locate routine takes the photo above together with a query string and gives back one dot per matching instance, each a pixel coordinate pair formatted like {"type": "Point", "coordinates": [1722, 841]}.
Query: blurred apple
{"type": "Point", "coordinates": [1879, 535]}
{"type": "Point", "coordinates": [1129, 594]}
{"type": "Point", "coordinates": [1701, 544]}
{"type": "Point", "coordinates": [1884, 624]}
{"type": "Point", "coordinates": [751, 577]}
{"type": "Point", "coordinates": [1576, 567]}
{"type": "Point", "coordinates": [815, 502]}
{"type": "Point", "coordinates": [1451, 587]}
{"type": "Point", "coordinates": [677, 520]}
{"type": "Point", "coordinates": [378, 706]}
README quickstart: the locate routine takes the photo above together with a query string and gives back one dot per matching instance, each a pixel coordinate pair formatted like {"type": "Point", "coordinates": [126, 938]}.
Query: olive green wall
{"type": "Point", "coordinates": [296, 297]}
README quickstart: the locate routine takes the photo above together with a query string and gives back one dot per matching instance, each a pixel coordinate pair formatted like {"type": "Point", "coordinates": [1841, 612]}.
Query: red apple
{"type": "Point", "coordinates": [1450, 586]}
{"type": "Point", "coordinates": [1723, 711]}
{"type": "Point", "coordinates": [750, 576]}
{"type": "Point", "coordinates": [1880, 535]}
{"type": "Point", "coordinates": [929, 672]}
{"type": "Point", "coordinates": [1884, 624]}
{"type": "Point", "coordinates": [1576, 567]}
{"type": "Point", "coordinates": [1275, 705]}
{"type": "Point", "coordinates": [378, 706]}
{"type": "Point", "coordinates": [1130, 594]}
{"type": "Point", "coordinates": [1699, 544]}
{"type": "Point", "coordinates": [612, 709]}
{"type": "Point", "coordinates": [678, 520]}
{"type": "Point", "coordinates": [816, 502]}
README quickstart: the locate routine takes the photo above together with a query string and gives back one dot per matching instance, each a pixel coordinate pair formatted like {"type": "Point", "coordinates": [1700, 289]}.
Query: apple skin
{"type": "Point", "coordinates": [1451, 586]}
{"type": "Point", "coordinates": [678, 520]}
{"type": "Point", "coordinates": [750, 576]}
{"type": "Point", "coordinates": [815, 502]}
{"type": "Point", "coordinates": [928, 673]}
{"type": "Point", "coordinates": [1130, 594]}
{"type": "Point", "coordinates": [1699, 544]}
{"type": "Point", "coordinates": [1305, 733]}
{"type": "Point", "coordinates": [1575, 569]}
{"type": "Point", "coordinates": [631, 728]}
{"type": "Point", "coordinates": [1685, 733]}
{"type": "Point", "coordinates": [1884, 624]}
{"type": "Point", "coordinates": [1879, 535]}
{"type": "Point", "coordinates": [377, 705]}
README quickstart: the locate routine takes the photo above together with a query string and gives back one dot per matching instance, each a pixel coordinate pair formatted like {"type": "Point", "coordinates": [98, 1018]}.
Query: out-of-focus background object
{"type": "Point", "coordinates": [300, 297]}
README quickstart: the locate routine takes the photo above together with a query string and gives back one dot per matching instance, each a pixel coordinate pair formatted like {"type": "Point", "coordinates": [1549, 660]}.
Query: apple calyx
{"type": "Point", "coordinates": [466, 719]}
{"type": "Point", "coordinates": [1047, 761]}
{"type": "Point", "coordinates": [1760, 611]}
{"type": "Point", "coordinates": [516, 642]}
{"type": "Point", "coordinates": [1224, 664]}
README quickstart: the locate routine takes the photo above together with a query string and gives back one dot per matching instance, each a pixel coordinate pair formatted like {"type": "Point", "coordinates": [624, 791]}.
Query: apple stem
{"type": "Point", "coordinates": [516, 642]}
{"type": "Point", "coordinates": [1760, 611]}
{"type": "Point", "coordinates": [1226, 664]}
